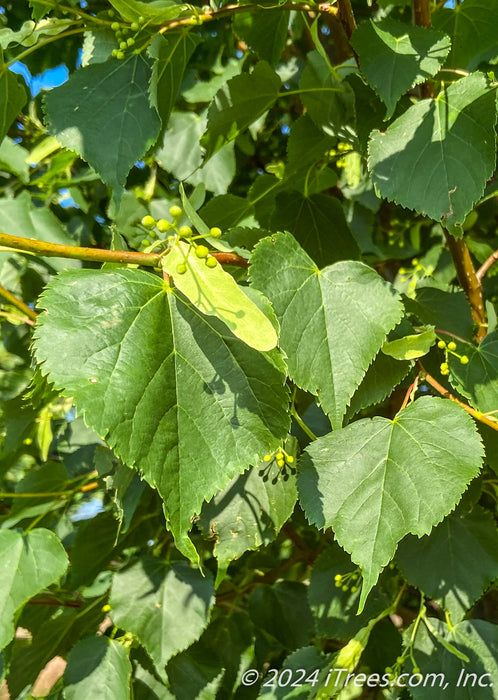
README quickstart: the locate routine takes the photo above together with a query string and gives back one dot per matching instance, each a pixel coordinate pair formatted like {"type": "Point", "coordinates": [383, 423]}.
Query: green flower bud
{"type": "Point", "coordinates": [441, 344]}
{"type": "Point", "coordinates": [115, 26]}
{"type": "Point", "coordinates": [201, 251]}
{"type": "Point", "coordinates": [215, 232]}
{"type": "Point", "coordinates": [134, 27]}
{"type": "Point", "coordinates": [181, 268]}
{"type": "Point", "coordinates": [175, 211]}
{"type": "Point", "coordinates": [148, 221]}
{"type": "Point", "coordinates": [163, 225]}
{"type": "Point", "coordinates": [211, 262]}
{"type": "Point", "coordinates": [451, 345]}
{"type": "Point", "coordinates": [185, 231]}
{"type": "Point", "coordinates": [120, 55]}
{"type": "Point", "coordinates": [464, 360]}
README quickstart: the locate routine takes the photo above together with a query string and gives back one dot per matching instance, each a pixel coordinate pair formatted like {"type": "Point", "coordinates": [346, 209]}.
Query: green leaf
{"type": "Point", "coordinates": [175, 604]}
{"type": "Point", "coordinates": [97, 662]}
{"type": "Point", "coordinates": [13, 159]}
{"type": "Point", "coordinates": [477, 639]}
{"type": "Point", "coordinates": [103, 113]}
{"type": "Point", "coordinates": [275, 609]}
{"type": "Point", "coordinates": [18, 217]}
{"type": "Point", "coordinates": [383, 375]}
{"type": "Point", "coordinates": [264, 32]}
{"type": "Point", "coordinates": [318, 223]}
{"type": "Point", "coordinates": [30, 563]}
{"type": "Point", "coordinates": [394, 56]}
{"type": "Point", "coordinates": [377, 480]}
{"type": "Point", "coordinates": [477, 380]}
{"type": "Point", "coordinates": [176, 393]}
{"type": "Point", "coordinates": [93, 547]}
{"type": "Point", "coordinates": [181, 154]}
{"type": "Point", "coordinates": [250, 511]}
{"type": "Point", "coordinates": [456, 562]}
{"type": "Point", "coordinates": [473, 27]}
{"type": "Point", "coordinates": [155, 12]}
{"type": "Point", "coordinates": [172, 53]}
{"type": "Point", "coordinates": [53, 635]}
{"type": "Point", "coordinates": [343, 313]}
{"type": "Point", "coordinates": [226, 211]}
{"type": "Point", "coordinates": [328, 100]}
{"type": "Point", "coordinates": [215, 292]}
{"type": "Point", "coordinates": [238, 104]}
{"type": "Point", "coordinates": [449, 310]}
{"type": "Point", "coordinates": [421, 163]}
{"type": "Point", "coordinates": [334, 610]}
{"type": "Point", "coordinates": [98, 46]}
{"type": "Point", "coordinates": [214, 663]}
{"type": "Point", "coordinates": [205, 90]}
{"type": "Point", "coordinates": [307, 659]}
{"type": "Point", "coordinates": [409, 347]}
{"type": "Point", "coordinates": [12, 99]}
{"type": "Point", "coordinates": [306, 144]}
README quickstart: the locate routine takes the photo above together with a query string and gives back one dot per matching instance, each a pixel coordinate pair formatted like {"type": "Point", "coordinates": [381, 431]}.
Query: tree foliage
{"type": "Point", "coordinates": [248, 353]}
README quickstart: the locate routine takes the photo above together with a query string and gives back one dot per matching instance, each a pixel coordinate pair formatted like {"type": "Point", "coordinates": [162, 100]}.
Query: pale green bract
{"type": "Point", "coordinates": [411, 346]}
{"type": "Point", "coordinates": [176, 394]}
{"type": "Point", "coordinates": [214, 292]}
{"type": "Point", "coordinates": [377, 480]}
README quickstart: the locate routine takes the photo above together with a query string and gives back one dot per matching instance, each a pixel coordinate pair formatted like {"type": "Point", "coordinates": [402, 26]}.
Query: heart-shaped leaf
{"type": "Point", "coordinates": [377, 480]}
{"type": "Point", "coordinates": [172, 390]}
{"type": "Point", "coordinates": [328, 331]}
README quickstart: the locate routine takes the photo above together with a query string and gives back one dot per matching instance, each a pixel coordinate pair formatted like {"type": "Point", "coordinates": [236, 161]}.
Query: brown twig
{"type": "Point", "coordinates": [470, 282]}
{"type": "Point", "coordinates": [422, 18]}
{"type": "Point", "coordinates": [483, 418]}
{"type": "Point", "coordinates": [346, 16]}
{"type": "Point", "coordinates": [421, 13]}
{"type": "Point", "coordinates": [130, 257]}
{"type": "Point", "coordinates": [14, 301]}
{"type": "Point", "coordinates": [409, 392]}
{"type": "Point", "coordinates": [211, 15]}
{"type": "Point", "coordinates": [486, 265]}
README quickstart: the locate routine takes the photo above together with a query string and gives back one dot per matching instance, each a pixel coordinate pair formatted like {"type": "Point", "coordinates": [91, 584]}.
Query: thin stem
{"type": "Point", "coordinates": [346, 17]}
{"type": "Point", "coordinates": [211, 15]}
{"type": "Point", "coordinates": [129, 257]}
{"type": "Point", "coordinates": [14, 301]}
{"type": "Point", "coordinates": [470, 282]}
{"type": "Point", "coordinates": [410, 392]}
{"type": "Point", "coordinates": [486, 265]}
{"type": "Point", "coordinates": [302, 424]}
{"type": "Point", "coordinates": [451, 335]}
{"type": "Point", "coordinates": [15, 317]}
{"type": "Point", "coordinates": [483, 418]}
